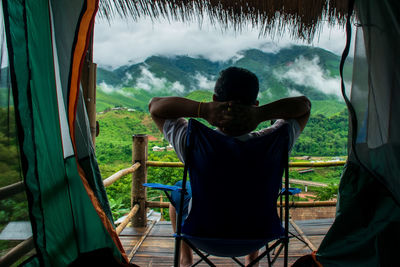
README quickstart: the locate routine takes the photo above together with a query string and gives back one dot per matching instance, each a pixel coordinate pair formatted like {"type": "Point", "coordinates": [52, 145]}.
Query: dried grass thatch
{"type": "Point", "coordinates": [301, 17]}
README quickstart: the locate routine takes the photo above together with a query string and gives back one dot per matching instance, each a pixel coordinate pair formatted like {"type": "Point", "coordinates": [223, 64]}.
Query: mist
{"type": "Point", "coordinates": [309, 73]}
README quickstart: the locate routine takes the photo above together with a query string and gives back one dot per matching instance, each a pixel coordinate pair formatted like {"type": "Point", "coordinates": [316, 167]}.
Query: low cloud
{"type": "Point", "coordinates": [308, 73]}
{"type": "Point", "coordinates": [106, 88]}
{"type": "Point", "coordinates": [124, 41]}
{"type": "Point", "coordinates": [293, 92]}
{"type": "Point", "coordinates": [203, 82]}
{"type": "Point", "coordinates": [177, 87]}
{"type": "Point", "coordinates": [128, 77]}
{"type": "Point", "coordinates": [149, 82]}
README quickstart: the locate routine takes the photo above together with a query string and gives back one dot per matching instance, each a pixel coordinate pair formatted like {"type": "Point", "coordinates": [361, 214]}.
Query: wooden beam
{"type": "Point", "coordinates": [165, 164]}
{"type": "Point", "coordinates": [297, 204]}
{"type": "Point", "coordinates": [157, 204]}
{"type": "Point", "coordinates": [303, 236]}
{"type": "Point", "coordinates": [125, 222]}
{"type": "Point", "coordinates": [309, 183]}
{"type": "Point", "coordinates": [291, 164]}
{"type": "Point", "coordinates": [140, 241]}
{"type": "Point", "coordinates": [12, 189]}
{"type": "Point", "coordinates": [17, 252]}
{"type": "Point", "coordinates": [317, 164]}
{"type": "Point", "coordinates": [118, 175]}
{"type": "Point", "coordinates": [309, 204]}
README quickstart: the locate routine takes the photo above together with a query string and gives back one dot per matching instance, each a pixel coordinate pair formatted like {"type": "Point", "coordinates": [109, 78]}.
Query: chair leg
{"type": "Point", "coordinates": [286, 252]}
{"type": "Point", "coordinates": [200, 260]}
{"type": "Point", "coordinates": [277, 253]}
{"type": "Point", "coordinates": [177, 254]}
{"type": "Point", "coordinates": [238, 261]}
{"type": "Point", "coordinates": [266, 252]}
{"type": "Point", "coordinates": [201, 255]}
{"type": "Point", "coordinates": [268, 256]}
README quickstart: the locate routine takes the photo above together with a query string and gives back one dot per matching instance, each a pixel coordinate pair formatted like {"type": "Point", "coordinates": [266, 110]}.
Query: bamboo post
{"type": "Point", "coordinates": [139, 194]}
{"type": "Point", "coordinates": [161, 201]}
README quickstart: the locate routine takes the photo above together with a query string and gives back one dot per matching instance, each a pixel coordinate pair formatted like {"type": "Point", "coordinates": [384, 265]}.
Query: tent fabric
{"type": "Point", "coordinates": [69, 211]}
{"type": "Point", "coordinates": [366, 228]}
{"type": "Point", "coordinates": [222, 168]}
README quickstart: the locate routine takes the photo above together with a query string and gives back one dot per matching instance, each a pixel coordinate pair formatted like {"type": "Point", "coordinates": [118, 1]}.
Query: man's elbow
{"type": "Point", "coordinates": [153, 105]}
{"type": "Point", "coordinates": [306, 111]}
{"type": "Point", "coordinates": [305, 105]}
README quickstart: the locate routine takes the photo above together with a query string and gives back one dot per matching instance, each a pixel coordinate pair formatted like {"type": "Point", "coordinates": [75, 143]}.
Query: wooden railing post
{"type": "Point", "coordinates": [139, 195]}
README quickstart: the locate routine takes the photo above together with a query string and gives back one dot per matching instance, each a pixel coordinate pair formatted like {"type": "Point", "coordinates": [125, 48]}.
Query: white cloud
{"type": "Point", "coordinates": [108, 88]}
{"type": "Point", "coordinates": [129, 42]}
{"type": "Point", "coordinates": [294, 92]}
{"type": "Point", "coordinates": [308, 73]}
{"type": "Point", "coordinates": [177, 87]}
{"type": "Point", "coordinates": [148, 81]}
{"type": "Point", "coordinates": [128, 77]}
{"type": "Point", "coordinates": [203, 82]}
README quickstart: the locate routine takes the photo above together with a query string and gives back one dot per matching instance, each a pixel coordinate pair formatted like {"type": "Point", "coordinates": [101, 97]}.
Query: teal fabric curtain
{"type": "Point", "coordinates": [367, 225]}
{"type": "Point", "coordinates": [67, 219]}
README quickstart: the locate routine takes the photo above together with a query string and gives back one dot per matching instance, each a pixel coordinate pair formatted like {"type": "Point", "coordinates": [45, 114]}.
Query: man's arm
{"type": "Point", "coordinates": [249, 117]}
{"type": "Point", "coordinates": [297, 108]}
{"type": "Point", "coordinates": [163, 108]}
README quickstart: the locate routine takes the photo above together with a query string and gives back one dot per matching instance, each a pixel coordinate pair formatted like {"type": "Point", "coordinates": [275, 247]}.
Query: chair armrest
{"type": "Point", "coordinates": [163, 187]}
{"type": "Point", "coordinates": [292, 191]}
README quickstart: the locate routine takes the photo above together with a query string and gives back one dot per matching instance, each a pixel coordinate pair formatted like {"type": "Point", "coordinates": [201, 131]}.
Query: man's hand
{"type": "Point", "coordinates": [231, 118]}
{"type": "Point", "coordinates": [216, 113]}
{"type": "Point", "coordinates": [244, 119]}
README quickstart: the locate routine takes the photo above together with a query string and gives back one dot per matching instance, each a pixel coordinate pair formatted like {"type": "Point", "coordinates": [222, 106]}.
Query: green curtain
{"type": "Point", "coordinates": [366, 230]}
{"type": "Point", "coordinates": [65, 223]}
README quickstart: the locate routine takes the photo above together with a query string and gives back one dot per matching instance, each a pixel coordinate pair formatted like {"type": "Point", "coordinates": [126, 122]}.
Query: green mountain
{"type": "Point", "coordinates": [290, 71]}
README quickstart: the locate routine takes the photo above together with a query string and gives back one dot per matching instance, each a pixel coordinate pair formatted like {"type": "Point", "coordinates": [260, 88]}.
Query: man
{"type": "Point", "coordinates": [235, 112]}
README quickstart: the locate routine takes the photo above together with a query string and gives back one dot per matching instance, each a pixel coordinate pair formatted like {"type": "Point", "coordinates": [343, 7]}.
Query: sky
{"type": "Point", "coordinates": [122, 42]}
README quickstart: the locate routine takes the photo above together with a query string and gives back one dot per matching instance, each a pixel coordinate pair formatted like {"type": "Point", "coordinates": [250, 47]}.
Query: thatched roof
{"type": "Point", "coordinates": [302, 18]}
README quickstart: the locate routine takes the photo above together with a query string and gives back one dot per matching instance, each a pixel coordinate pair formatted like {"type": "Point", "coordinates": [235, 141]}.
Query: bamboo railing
{"type": "Point", "coordinates": [291, 164]}
{"type": "Point", "coordinates": [125, 222]}
{"type": "Point", "coordinates": [118, 175]}
{"type": "Point", "coordinates": [10, 190]}
{"type": "Point", "coordinates": [17, 252]}
{"type": "Point", "coordinates": [25, 246]}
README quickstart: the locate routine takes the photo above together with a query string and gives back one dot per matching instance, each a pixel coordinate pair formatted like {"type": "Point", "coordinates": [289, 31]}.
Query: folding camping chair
{"type": "Point", "coordinates": [235, 186]}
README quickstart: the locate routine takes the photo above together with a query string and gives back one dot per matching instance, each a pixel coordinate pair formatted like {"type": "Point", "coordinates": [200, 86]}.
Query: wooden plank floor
{"type": "Point", "coordinates": [157, 249]}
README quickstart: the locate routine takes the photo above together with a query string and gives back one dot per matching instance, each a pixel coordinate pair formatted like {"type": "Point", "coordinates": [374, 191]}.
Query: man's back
{"type": "Point", "coordinates": [234, 181]}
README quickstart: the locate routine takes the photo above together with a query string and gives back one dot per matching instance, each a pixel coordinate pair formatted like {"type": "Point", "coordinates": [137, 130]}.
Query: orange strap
{"type": "Point", "coordinates": [86, 26]}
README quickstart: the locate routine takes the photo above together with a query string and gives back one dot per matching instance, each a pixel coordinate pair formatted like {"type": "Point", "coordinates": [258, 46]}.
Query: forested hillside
{"type": "Point", "coordinates": [323, 136]}
{"type": "Point", "coordinates": [295, 70]}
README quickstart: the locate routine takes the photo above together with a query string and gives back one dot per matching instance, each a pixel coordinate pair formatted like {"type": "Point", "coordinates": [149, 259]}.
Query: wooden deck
{"type": "Point", "coordinates": [154, 245]}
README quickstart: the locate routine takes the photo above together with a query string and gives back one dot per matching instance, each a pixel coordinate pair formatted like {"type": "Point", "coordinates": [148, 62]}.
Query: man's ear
{"type": "Point", "coordinates": [214, 98]}
{"type": "Point", "coordinates": [257, 103]}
